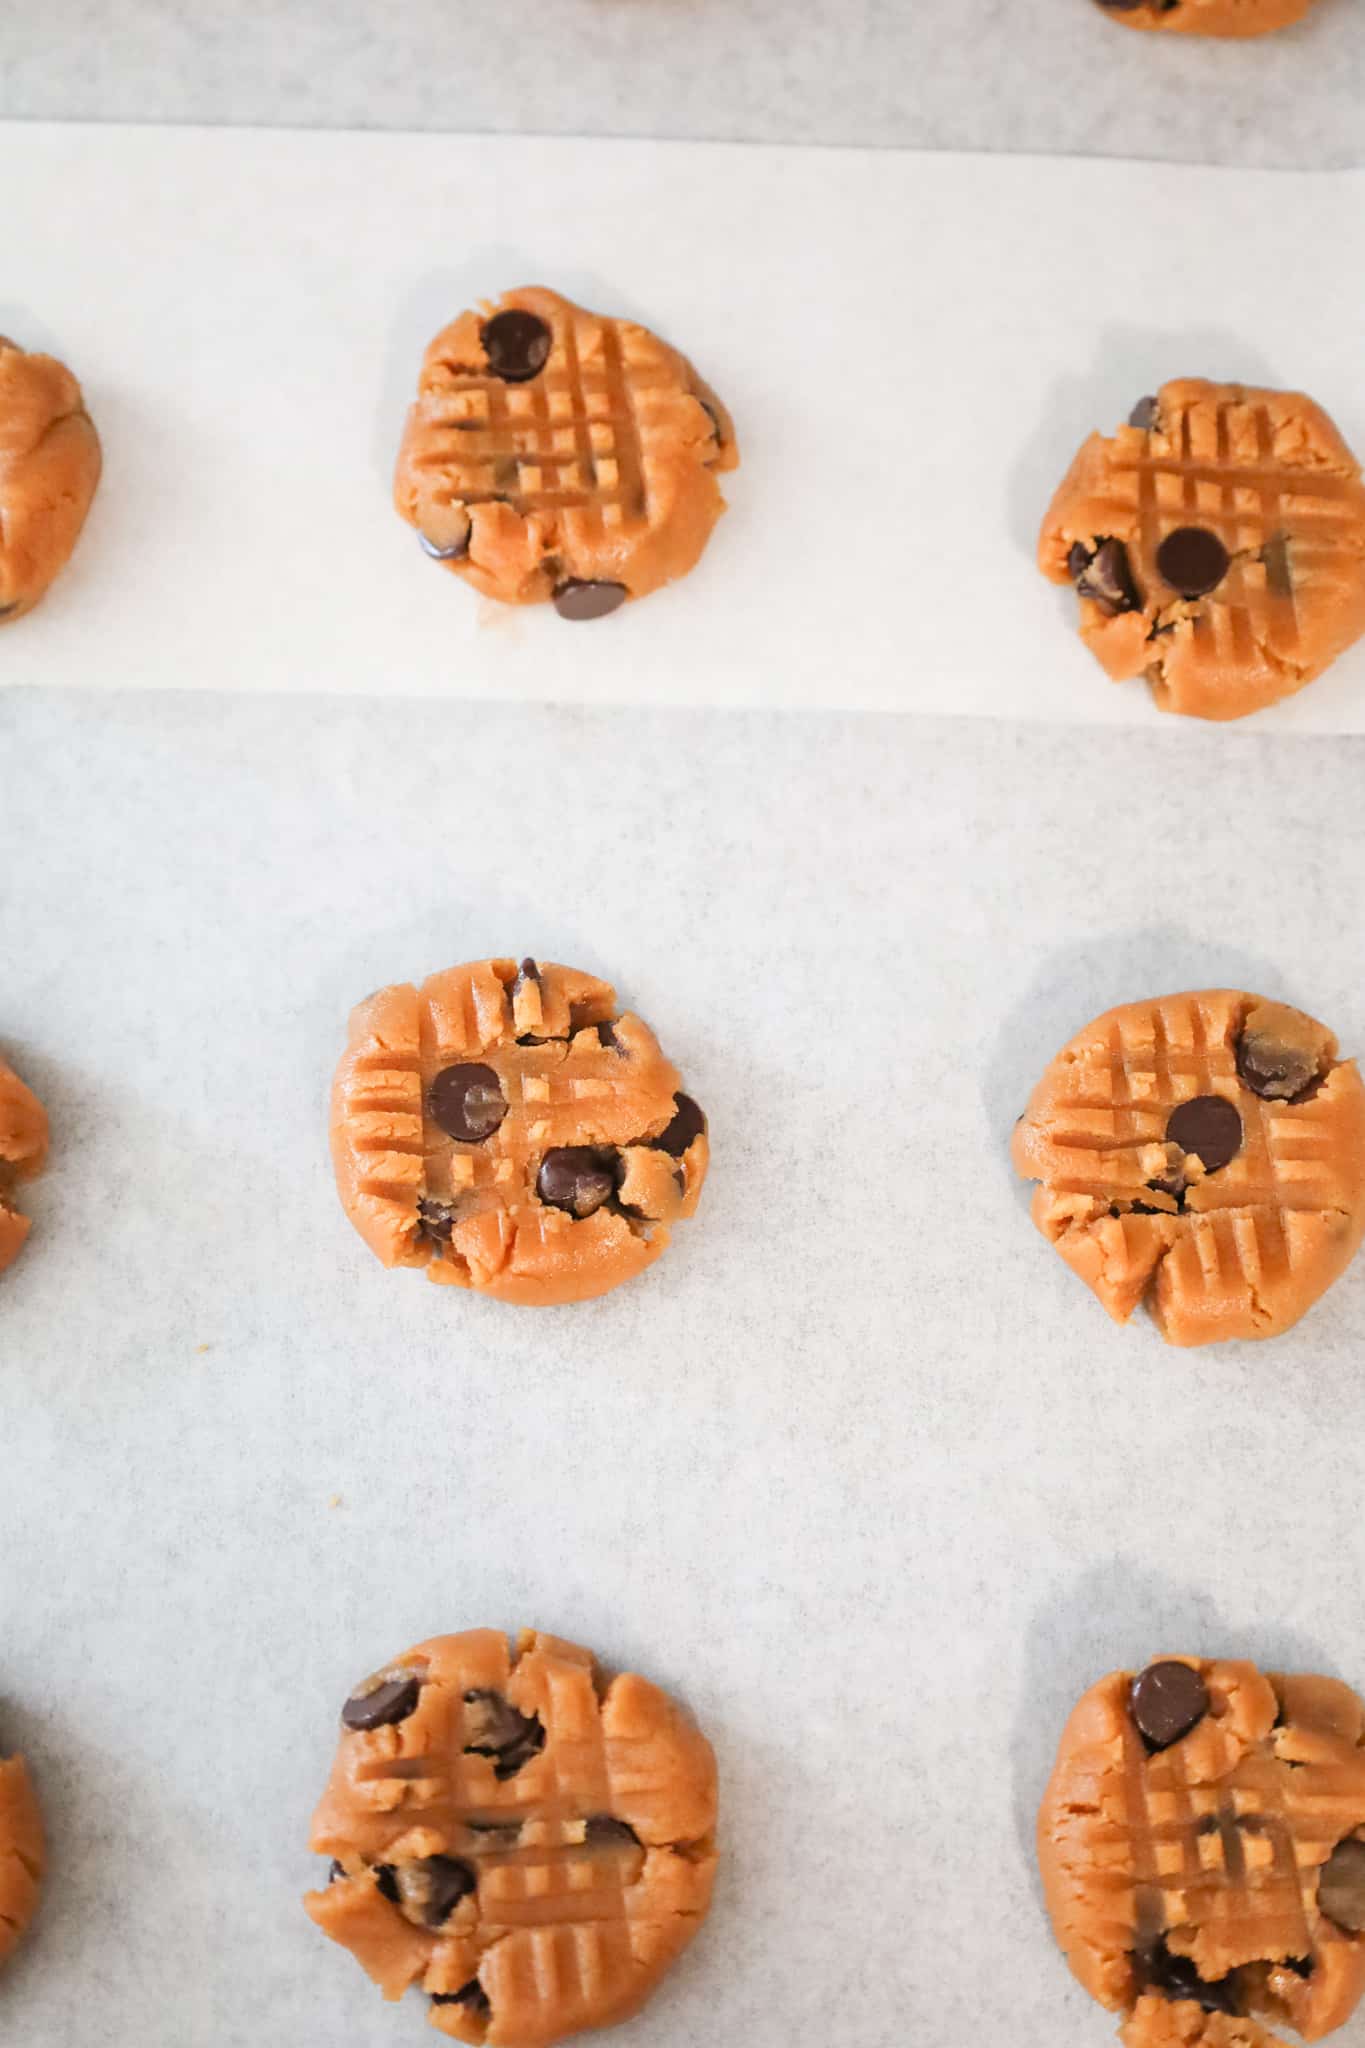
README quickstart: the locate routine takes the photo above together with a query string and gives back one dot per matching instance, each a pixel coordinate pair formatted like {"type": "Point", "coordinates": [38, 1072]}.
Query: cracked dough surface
{"type": "Point", "coordinates": [599, 468]}
{"type": "Point", "coordinates": [572, 1073]}
{"type": "Point", "coordinates": [23, 1155]}
{"type": "Point", "coordinates": [1269, 475]}
{"type": "Point", "coordinates": [583, 1857]}
{"type": "Point", "coordinates": [49, 467]}
{"type": "Point", "coordinates": [1241, 1251]}
{"type": "Point", "coordinates": [22, 1855]}
{"type": "Point", "coordinates": [1211, 17]}
{"type": "Point", "coordinates": [1212, 1847]}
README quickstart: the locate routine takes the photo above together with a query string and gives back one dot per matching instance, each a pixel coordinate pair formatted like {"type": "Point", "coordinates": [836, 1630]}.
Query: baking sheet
{"type": "Point", "coordinates": [859, 1468]}
{"type": "Point", "coordinates": [913, 348]}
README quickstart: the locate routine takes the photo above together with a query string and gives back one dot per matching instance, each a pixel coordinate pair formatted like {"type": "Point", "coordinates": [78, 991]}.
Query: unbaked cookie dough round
{"type": "Point", "coordinates": [49, 467]}
{"type": "Point", "coordinates": [1204, 1153]}
{"type": "Point", "coordinates": [557, 455]}
{"type": "Point", "coordinates": [1217, 545]}
{"type": "Point", "coordinates": [529, 1843]}
{"type": "Point", "coordinates": [22, 1853]}
{"type": "Point", "coordinates": [509, 1129]}
{"type": "Point", "coordinates": [1207, 17]}
{"type": "Point", "coordinates": [1202, 1848]}
{"type": "Point", "coordinates": [23, 1155]}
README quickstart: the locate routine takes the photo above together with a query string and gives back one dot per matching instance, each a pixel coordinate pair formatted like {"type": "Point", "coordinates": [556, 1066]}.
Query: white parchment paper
{"type": "Point", "coordinates": [859, 1468]}
{"type": "Point", "coordinates": [913, 348]}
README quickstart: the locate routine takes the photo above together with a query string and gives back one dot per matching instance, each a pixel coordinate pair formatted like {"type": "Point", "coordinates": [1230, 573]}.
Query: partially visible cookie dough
{"type": "Point", "coordinates": [22, 1852]}
{"type": "Point", "coordinates": [531, 1843]}
{"type": "Point", "coordinates": [509, 1129]}
{"type": "Point", "coordinates": [1204, 1153]}
{"type": "Point", "coordinates": [1202, 1848]}
{"type": "Point", "coordinates": [23, 1155]}
{"type": "Point", "coordinates": [557, 455]}
{"type": "Point", "coordinates": [1207, 17]}
{"type": "Point", "coordinates": [49, 467]}
{"type": "Point", "coordinates": [1217, 545]}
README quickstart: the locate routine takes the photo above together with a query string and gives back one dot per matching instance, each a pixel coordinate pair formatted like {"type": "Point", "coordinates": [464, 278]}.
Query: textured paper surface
{"type": "Point", "coordinates": [860, 1468]}
{"type": "Point", "coordinates": [913, 348]}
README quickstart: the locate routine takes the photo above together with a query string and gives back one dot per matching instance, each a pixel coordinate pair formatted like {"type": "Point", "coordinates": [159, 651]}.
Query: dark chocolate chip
{"type": "Point", "coordinates": [381, 1703]}
{"type": "Point", "coordinates": [609, 1041]}
{"type": "Point", "coordinates": [1166, 1701]}
{"type": "Point", "coordinates": [1143, 415]}
{"type": "Point", "coordinates": [1176, 1978]}
{"type": "Point", "coordinates": [517, 345]}
{"type": "Point", "coordinates": [496, 1729]}
{"type": "Point", "coordinates": [1104, 575]}
{"type": "Point", "coordinates": [1210, 1126]}
{"type": "Point", "coordinates": [471, 1994]}
{"type": "Point", "coordinates": [467, 1102]}
{"type": "Point", "coordinates": [338, 1870]}
{"type": "Point", "coordinates": [435, 1221]}
{"type": "Point", "coordinates": [439, 554]}
{"type": "Point", "coordinates": [433, 1887]}
{"type": "Point", "coordinates": [688, 1123]}
{"type": "Point", "coordinates": [579, 599]}
{"type": "Point", "coordinates": [1192, 560]}
{"type": "Point", "coordinates": [386, 1882]}
{"type": "Point", "coordinates": [579, 1178]}
{"type": "Point", "coordinates": [604, 1828]}
{"type": "Point", "coordinates": [528, 971]}
{"type": "Point", "coordinates": [1341, 1888]}
{"type": "Point", "coordinates": [1275, 1071]}
{"type": "Point", "coordinates": [1302, 1966]}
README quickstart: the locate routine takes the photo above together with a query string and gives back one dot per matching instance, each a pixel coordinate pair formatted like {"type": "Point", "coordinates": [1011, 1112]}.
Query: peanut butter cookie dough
{"type": "Point", "coordinates": [23, 1155]}
{"type": "Point", "coordinates": [22, 1854]}
{"type": "Point", "coordinates": [1217, 544]}
{"type": "Point", "coordinates": [49, 467]}
{"type": "Point", "coordinates": [530, 1844]}
{"type": "Point", "coordinates": [1207, 17]}
{"type": "Point", "coordinates": [1202, 1847]}
{"type": "Point", "coordinates": [504, 1127]}
{"type": "Point", "coordinates": [554, 454]}
{"type": "Point", "coordinates": [1204, 1153]}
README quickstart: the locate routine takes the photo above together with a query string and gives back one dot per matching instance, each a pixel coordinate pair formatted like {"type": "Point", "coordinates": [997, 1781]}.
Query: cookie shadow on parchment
{"type": "Point", "coordinates": [1119, 1615]}
{"type": "Point", "coordinates": [1127, 364]}
{"type": "Point", "coordinates": [1083, 980]}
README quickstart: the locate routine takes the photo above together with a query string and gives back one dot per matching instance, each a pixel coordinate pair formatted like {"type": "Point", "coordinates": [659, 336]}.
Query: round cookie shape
{"type": "Point", "coordinates": [503, 1126]}
{"type": "Point", "coordinates": [529, 1843]}
{"type": "Point", "coordinates": [23, 1155]}
{"type": "Point", "coordinates": [555, 455]}
{"type": "Point", "coordinates": [1217, 546]}
{"type": "Point", "coordinates": [49, 468]}
{"type": "Point", "coordinates": [1204, 1153]}
{"type": "Point", "coordinates": [23, 1854]}
{"type": "Point", "coordinates": [1193, 1886]}
{"type": "Point", "coordinates": [1206, 17]}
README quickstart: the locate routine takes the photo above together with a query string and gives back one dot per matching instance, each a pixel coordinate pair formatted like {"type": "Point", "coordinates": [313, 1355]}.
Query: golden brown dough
{"type": "Point", "coordinates": [1207, 17]}
{"type": "Point", "coordinates": [505, 1128]}
{"type": "Point", "coordinates": [49, 467]}
{"type": "Point", "coordinates": [558, 454]}
{"type": "Point", "coordinates": [1217, 543]}
{"type": "Point", "coordinates": [531, 1844]}
{"type": "Point", "coordinates": [1195, 1841]}
{"type": "Point", "coordinates": [22, 1854]}
{"type": "Point", "coordinates": [23, 1155]}
{"type": "Point", "coordinates": [1237, 1239]}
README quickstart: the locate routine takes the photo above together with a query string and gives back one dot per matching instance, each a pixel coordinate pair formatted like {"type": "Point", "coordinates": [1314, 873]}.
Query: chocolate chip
{"type": "Point", "coordinates": [496, 1729]}
{"type": "Point", "coordinates": [1302, 1966]}
{"type": "Point", "coordinates": [528, 971]}
{"type": "Point", "coordinates": [386, 1882]}
{"type": "Point", "coordinates": [1210, 1126]}
{"type": "Point", "coordinates": [1176, 1978]}
{"type": "Point", "coordinates": [1341, 1888]}
{"type": "Point", "coordinates": [517, 345]}
{"type": "Point", "coordinates": [1166, 1701]}
{"type": "Point", "coordinates": [433, 1886]}
{"type": "Point", "coordinates": [604, 1827]}
{"type": "Point", "coordinates": [579, 1178]}
{"type": "Point", "coordinates": [439, 554]}
{"type": "Point", "coordinates": [1274, 1070]}
{"type": "Point", "coordinates": [467, 1102]}
{"type": "Point", "coordinates": [471, 1994]}
{"type": "Point", "coordinates": [1192, 560]}
{"type": "Point", "coordinates": [382, 1701]}
{"type": "Point", "coordinates": [688, 1123]}
{"type": "Point", "coordinates": [435, 1221]}
{"type": "Point", "coordinates": [578, 599]}
{"type": "Point", "coordinates": [1143, 415]}
{"type": "Point", "coordinates": [1103, 574]}
{"type": "Point", "coordinates": [608, 1040]}
{"type": "Point", "coordinates": [337, 1871]}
